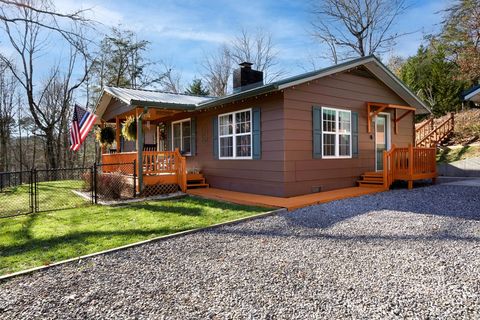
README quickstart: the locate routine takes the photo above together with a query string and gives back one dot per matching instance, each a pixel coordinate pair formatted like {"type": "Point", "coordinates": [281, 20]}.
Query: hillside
{"type": "Point", "coordinates": [465, 141]}
{"type": "Point", "coordinates": [467, 127]}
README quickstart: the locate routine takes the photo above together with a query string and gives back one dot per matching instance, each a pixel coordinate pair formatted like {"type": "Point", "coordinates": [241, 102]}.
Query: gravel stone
{"type": "Point", "coordinates": [398, 254]}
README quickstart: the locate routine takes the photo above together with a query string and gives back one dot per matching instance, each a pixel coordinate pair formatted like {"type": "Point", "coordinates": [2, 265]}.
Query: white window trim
{"type": "Point", "coordinates": [181, 135]}
{"type": "Point", "coordinates": [388, 132]}
{"type": "Point", "coordinates": [337, 134]}
{"type": "Point", "coordinates": [234, 135]}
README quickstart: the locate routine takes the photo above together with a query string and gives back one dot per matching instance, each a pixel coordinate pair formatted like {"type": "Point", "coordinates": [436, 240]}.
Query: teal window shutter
{"type": "Point", "coordinates": [317, 132]}
{"type": "Point", "coordinates": [168, 136]}
{"type": "Point", "coordinates": [215, 136]}
{"type": "Point", "coordinates": [256, 133]}
{"type": "Point", "coordinates": [193, 139]}
{"type": "Point", "coordinates": [354, 134]}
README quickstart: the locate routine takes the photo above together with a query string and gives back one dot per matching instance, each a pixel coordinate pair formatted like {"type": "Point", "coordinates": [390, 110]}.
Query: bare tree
{"type": "Point", "coordinates": [7, 114]}
{"type": "Point", "coordinates": [170, 80]}
{"type": "Point", "coordinates": [257, 48]}
{"type": "Point", "coordinates": [395, 63]}
{"type": "Point", "coordinates": [44, 16]}
{"type": "Point", "coordinates": [217, 70]}
{"type": "Point", "coordinates": [356, 28]}
{"type": "Point", "coordinates": [26, 40]}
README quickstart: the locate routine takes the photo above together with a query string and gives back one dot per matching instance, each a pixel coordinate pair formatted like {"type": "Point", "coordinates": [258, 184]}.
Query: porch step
{"type": "Point", "coordinates": [196, 180]}
{"type": "Point", "coordinates": [371, 179]}
{"type": "Point", "coordinates": [371, 184]}
{"type": "Point", "coordinates": [197, 185]}
{"type": "Point", "coordinates": [373, 174]}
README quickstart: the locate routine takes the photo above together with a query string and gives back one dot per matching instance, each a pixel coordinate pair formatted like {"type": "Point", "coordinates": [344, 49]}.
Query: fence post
{"type": "Point", "coordinates": [95, 191]}
{"type": "Point", "coordinates": [134, 178]}
{"type": "Point", "coordinates": [92, 194]}
{"type": "Point", "coordinates": [31, 191]}
{"type": "Point", "coordinates": [35, 190]}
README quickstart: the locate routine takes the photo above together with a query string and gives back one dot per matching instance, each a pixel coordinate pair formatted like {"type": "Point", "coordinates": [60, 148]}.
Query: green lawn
{"type": "Point", "coordinates": [38, 239]}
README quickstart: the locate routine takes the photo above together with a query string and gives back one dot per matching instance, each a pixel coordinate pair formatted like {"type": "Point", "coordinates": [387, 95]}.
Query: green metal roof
{"type": "Point", "coordinates": [191, 103]}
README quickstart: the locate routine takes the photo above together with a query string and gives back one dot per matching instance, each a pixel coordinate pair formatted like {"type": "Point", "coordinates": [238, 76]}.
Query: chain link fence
{"type": "Point", "coordinates": [25, 192]}
{"type": "Point", "coordinates": [114, 181]}
{"type": "Point", "coordinates": [57, 189]}
{"type": "Point", "coordinates": [16, 193]}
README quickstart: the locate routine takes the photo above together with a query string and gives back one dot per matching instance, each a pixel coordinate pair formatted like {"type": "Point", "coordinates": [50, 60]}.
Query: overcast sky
{"type": "Point", "coordinates": [181, 32]}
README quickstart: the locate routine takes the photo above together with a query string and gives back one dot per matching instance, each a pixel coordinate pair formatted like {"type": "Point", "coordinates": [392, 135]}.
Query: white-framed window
{"type": "Point", "coordinates": [336, 133]}
{"type": "Point", "coordinates": [181, 136]}
{"type": "Point", "coordinates": [235, 135]}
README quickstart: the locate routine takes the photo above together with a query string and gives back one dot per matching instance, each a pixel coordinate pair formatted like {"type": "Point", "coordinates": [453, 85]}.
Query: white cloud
{"type": "Point", "coordinates": [93, 10]}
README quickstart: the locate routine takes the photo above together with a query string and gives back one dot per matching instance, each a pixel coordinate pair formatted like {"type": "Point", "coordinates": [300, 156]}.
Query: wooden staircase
{"type": "Point", "coordinates": [196, 180]}
{"type": "Point", "coordinates": [429, 135]}
{"type": "Point", "coordinates": [371, 179]}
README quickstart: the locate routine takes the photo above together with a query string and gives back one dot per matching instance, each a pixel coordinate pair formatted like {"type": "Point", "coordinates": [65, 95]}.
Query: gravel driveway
{"type": "Point", "coordinates": [399, 254]}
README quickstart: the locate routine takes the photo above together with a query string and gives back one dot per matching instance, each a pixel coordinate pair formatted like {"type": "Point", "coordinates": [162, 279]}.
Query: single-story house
{"type": "Point", "coordinates": [473, 95]}
{"type": "Point", "coordinates": [317, 131]}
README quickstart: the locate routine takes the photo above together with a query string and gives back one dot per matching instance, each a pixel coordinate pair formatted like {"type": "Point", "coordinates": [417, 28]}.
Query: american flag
{"type": "Point", "coordinates": [82, 122]}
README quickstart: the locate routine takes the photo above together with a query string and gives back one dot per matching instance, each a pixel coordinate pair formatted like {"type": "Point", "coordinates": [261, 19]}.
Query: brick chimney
{"type": "Point", "coordinates": [245, 77]}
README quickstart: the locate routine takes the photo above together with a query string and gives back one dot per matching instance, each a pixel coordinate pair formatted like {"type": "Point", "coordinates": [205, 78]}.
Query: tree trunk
{"type": "Point", "coordinates": [50, 149]}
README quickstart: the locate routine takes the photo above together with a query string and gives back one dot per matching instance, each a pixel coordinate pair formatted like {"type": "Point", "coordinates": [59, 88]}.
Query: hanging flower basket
{"type": "Point", "coordinates": [105, 136]}
{"type": "Point", "coordinates": [129, 129]}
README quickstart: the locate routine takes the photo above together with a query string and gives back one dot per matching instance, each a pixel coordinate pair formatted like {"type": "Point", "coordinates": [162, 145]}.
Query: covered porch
{"type": "Point", "coordinates": [159, 159]}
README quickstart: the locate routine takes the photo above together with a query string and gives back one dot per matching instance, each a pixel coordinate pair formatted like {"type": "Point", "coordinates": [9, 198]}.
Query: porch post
{"type": "Point", "coordinates": [117, 133]}
{"type": "Point", "coordinates": [102, 148]}
{"type": "Point", "coordinates": [139, 150]}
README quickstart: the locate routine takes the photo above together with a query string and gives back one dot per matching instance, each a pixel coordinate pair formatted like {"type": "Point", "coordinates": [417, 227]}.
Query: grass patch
{"type": "Point", "coordinates": [46, 237]}
{"type": "Point", "coordinates": [455, 153]}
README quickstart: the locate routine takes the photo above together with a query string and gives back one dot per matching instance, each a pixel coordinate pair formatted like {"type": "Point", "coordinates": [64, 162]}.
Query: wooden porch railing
{"type": "Point", "coordinates": [153, 163]}
{"type": "Point", "coordinates": [115, 162]}
{"type": "Point", "coordinates": [429, 139]}
{"type": "Point", "coordinates": [424, 129]}
{"type": "Point", "coordinates": [409, 164]}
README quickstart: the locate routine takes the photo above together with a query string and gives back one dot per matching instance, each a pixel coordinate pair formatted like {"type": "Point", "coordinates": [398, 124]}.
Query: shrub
{"type": "Point", "coordinates": [87, 181]}
{"type": "Point", "coordinates": [113, 185]}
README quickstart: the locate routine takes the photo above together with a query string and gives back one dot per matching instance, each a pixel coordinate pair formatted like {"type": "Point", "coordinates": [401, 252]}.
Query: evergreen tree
{"type": "Point", "coordinates": [197, 88]}
{"type": "Point", "coordinates": [434, 78]}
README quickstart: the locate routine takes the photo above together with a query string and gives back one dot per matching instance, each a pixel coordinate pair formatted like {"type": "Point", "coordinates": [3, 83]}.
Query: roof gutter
{"type": "Point", "coordinates": [162, 105]}
{"type": "Point", "coordinates": [472, 94]}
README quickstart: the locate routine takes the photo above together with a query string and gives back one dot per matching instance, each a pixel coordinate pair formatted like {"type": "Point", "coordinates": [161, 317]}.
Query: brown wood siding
{"type": "Point", "coordinates": [264, 176]}
{"type": "Point", "coordinates": [344, 91]}
{"type": "Point", "coordinates": [115, 108]}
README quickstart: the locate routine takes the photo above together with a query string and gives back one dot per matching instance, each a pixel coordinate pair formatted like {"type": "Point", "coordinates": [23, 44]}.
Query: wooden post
{"type": "Point", "coordinates": [117, 133]}
{"type": "Point", "coordinates": [102, 148]}
{"type": "Point", "coordinates": [410, 166]}
{"type": "Point", "coordinates": [139, 146]}
{"type": "Point", "coordinates": [385, 170]}
{"type": "Point", "coordinates": [369, 119]}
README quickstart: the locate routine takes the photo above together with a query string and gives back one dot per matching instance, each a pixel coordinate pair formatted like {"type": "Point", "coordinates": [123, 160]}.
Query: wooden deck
{"type": "Point", "coordinates": [277, 202]}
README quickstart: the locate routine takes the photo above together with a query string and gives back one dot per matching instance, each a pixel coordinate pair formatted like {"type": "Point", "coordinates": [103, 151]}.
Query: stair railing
{"type": "Point", "coordinates": [408, 164]}
{"type": "Point", "coordinates": [388, 167]}
{"type": "Point", "coordinates": [181, 170]}
{"type": "Point", "coordinates": [437, 134]}
{"type": "Point", "coordinates": [424, 129]}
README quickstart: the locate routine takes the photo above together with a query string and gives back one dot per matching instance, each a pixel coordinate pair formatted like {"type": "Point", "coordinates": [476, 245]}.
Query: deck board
{"type": "Point", "coordinates": [291, 203]}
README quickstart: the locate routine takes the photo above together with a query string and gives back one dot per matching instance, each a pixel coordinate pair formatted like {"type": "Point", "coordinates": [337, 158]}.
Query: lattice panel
{"type": "Point", "coordinates": [156, 189]}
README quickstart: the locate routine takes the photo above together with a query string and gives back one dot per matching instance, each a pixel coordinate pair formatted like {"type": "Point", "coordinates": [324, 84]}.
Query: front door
{"type": "Point", "coordinates": [382, 138]}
